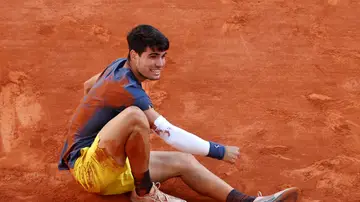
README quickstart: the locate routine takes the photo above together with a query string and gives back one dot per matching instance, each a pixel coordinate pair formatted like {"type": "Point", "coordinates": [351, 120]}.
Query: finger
{"type": "Point", "coordinates": [231, 160]}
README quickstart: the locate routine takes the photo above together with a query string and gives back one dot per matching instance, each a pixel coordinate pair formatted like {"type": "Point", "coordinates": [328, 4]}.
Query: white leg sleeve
{"type": "Point", "coordinates": [180, 139]}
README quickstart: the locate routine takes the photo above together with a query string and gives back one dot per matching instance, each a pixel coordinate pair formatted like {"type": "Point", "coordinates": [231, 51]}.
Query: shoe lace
{"type": "Point", "coordinates": [158, 193]}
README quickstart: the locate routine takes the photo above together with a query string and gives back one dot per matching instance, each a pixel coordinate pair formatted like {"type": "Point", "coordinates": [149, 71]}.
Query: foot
{"type": "Point", "coordinates": [289, 194]}
{"type": "Point", "coordinates": [155, 195]}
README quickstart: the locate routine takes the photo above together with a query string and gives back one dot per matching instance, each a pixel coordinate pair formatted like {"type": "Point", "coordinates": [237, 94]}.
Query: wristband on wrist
{"type": "Point", "coordinates": [216, 151]}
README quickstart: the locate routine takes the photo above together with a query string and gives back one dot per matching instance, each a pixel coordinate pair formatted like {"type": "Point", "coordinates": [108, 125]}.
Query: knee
{"type": "Point", "coordinates": [137, 117]}
{"type": "Point", "coordinates": [186, 161]}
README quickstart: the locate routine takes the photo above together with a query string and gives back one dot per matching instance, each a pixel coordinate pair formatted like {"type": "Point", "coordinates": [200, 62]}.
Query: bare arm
{"type": "Point", "coordinates": [90, 82]}
{"type": "Point", "coordinates": [152, 115]}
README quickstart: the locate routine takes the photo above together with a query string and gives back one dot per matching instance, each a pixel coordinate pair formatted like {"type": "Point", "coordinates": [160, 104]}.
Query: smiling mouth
{"type": "Point", "coordinates": [156, 71]}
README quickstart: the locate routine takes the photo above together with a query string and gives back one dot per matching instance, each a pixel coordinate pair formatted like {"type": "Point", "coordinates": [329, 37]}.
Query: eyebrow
{"type": "Point", "coordinates": [154, 53]}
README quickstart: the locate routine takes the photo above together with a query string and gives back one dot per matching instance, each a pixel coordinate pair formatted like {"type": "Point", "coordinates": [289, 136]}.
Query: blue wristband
{"type": "Point", "coordinates": [216, 151]}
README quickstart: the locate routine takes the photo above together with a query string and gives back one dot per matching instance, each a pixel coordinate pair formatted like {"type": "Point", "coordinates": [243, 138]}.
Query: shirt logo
{"type": "Point", "coordinates": [217, 146]}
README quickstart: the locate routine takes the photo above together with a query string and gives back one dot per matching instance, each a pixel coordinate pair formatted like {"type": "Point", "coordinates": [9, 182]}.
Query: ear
{"type": "Point", "coordinates": [133, 55]}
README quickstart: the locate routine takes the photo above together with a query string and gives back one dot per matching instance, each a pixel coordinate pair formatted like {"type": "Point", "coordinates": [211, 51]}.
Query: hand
{"type": "Point", "coordinates": [90, 82]}
{"type": "Point", "coordinates": [232, 153]}
{"type": "Point", "coordinates": [87, 87]}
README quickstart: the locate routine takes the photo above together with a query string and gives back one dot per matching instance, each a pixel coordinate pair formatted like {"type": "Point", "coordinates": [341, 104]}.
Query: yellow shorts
{"type": "Point", "coordinates": [99, 173]}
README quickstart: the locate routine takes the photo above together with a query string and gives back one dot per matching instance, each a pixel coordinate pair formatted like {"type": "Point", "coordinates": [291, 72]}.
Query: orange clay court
{"type": "Point", "coordinates": [280, 79]}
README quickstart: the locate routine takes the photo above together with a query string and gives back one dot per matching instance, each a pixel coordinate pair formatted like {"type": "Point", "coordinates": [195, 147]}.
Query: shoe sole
{"type": "Point", "coordinates": [288, 195]}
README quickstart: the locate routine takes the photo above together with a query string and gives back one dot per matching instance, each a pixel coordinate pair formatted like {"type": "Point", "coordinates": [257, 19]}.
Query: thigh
{"type": "Point", "coordinates": [165, 165]}
{"type": "Point", "coordinates": [114, 135]}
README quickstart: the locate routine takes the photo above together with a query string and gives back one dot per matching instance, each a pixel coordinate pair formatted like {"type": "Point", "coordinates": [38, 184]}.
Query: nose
{"type": "Point", "coordinates": [160, 62]}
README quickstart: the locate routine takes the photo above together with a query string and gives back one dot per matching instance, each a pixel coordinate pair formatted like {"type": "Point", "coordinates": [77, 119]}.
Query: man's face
{"type": "Point", "coordinates": [150, 63]}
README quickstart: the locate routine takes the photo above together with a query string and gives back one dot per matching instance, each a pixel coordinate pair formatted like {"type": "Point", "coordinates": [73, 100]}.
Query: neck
{"type": "Point", "coordinates": [132, 67]}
